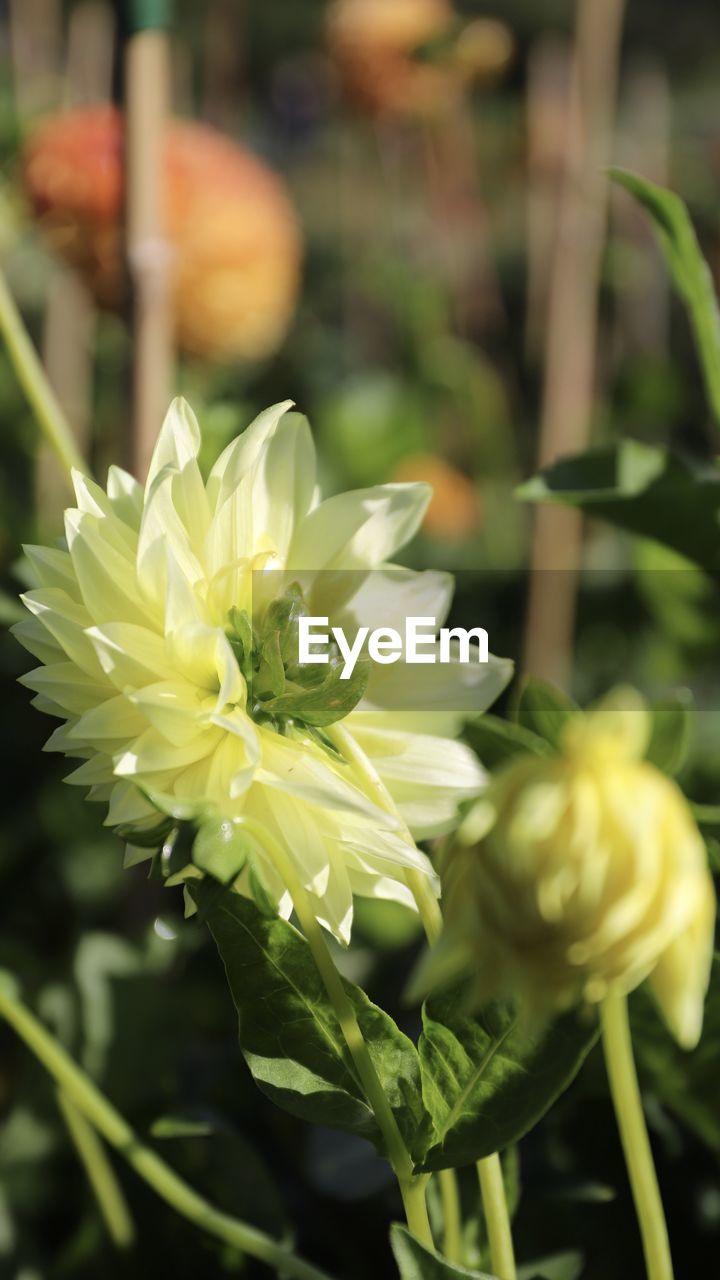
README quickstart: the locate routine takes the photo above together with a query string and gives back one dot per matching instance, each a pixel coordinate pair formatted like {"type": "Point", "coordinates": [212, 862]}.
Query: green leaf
{"type": "Point", "coordinates": [11, 610]}
{"type": "Point", "coordinates": [180, 1127]}
{"type": "Point", "coordinates": [712, 844]}
{"type": "Point", "coordinates": [487, 1081]}
{"type": "Point", "coordinates": [544, 710]}
{"type": "Point", "coordinates": [289, 1033]}
{"type": "Point", "coordinates": [494, 740]}
{"type": "Point", "coordinates": [643, 489]}
{"type": "Point", "coordinates": [689, 270]}
{"type": "Point", "coordinates": [670, 734]}
{"type": "Point", "coordinates": [686, 1083]}
{"type": "Point", "coordinates": [415, 1262]}
{"type": "Point", "coordinates": [561, 1266]}
{"type": "Point", "coordinates": [706, 815]}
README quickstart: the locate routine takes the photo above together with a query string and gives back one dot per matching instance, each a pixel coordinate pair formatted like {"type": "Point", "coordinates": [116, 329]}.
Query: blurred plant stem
{"type": "Point", "coordinates": [452, 1218]}
{"type": "Point", "coordinates": [110, 1199]}
{"type": "Point", "coordinates": [492, 1187]}
{"type": "Point", "coordinates": [412, 1187]}
{"type": "Point", "coordinates": [35, 384]}
{"type": "Point", "coordinates": [497, 1218]}
{"type": "Point", "coordinates": [617, 1044]}
{"type": "Point", "coordinates": [571, 329]}
{"type": "Point", "coordinates": [108, 1122]}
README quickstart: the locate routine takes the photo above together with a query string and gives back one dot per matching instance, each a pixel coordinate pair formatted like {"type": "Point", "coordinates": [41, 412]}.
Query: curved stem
{"type": "Point", "coordinates": [110, 1199]}
{"type": "Point", "coordinates": [492, 1187]}
{"type": "Point", "coordinates": [497, 1218]}
{"type": "Point", "coordinates": [34, 382]}
{"type": "Point", "coordinates": [110, 1124]}
{"type": "Point", "coordinates": [452, 1218]}
{"type": "Point", "coordinates": [627, 1101]}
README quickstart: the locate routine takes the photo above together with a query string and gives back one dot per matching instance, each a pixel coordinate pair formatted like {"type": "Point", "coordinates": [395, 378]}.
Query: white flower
{"type": "Point", "coordinates": [139, 624]}
{"type": "Point", "coordinates": [581, 874]}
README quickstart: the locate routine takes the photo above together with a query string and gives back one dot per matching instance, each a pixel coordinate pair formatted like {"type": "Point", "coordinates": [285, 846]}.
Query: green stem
{"type": "Point", "coordinates": [452, 1218]}
{"type": "Point", "coordinates": [412, 1188]}
{"type": "Point", "coordinates": [431, 916]}
{"type": "Point", "coordinates": [111, 1125]}
{"type": "Point", "coordinates": [627, 1101]}
{"type": "Point", "coordinates": [110, 1199]}
{"type": "Point", "coordinates": [497, 1218]}
{"type": "Point", "coordinates": [34, 382]}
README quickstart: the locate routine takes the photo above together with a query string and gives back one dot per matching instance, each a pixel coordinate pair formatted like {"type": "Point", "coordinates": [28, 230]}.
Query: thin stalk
{"type": "Point", "coordinates": [627, 1101]}
{"type": "Point", "coordinates": [99, 1171]}
{"type": "Point", "coordinates": [34, 382]}
{"type": "Point", "coordinates": [117, 1132]}
{"type": "Point", "coordinates": [412, 1188]}
{"type": "Point", "coordinates": [452, 1217]}
{"type": "Point", "coordinates": [492, 1188]}
{"type": "Point", "coordinates": [497, 1218]}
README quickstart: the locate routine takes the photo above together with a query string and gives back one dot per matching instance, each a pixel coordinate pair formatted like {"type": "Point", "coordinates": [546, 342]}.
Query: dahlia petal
{"type": "Point", "coordinates": [457, 690]}
{"type": "Point", "coordinates": [52, 567]}
{"type": "Point", "coordinates": [237, 460]}
{"type": "Point", "coordinates": [67, 685]}
{"type": "Point", "coordinates": [359, 530]}
{"type": "Point", "coordinates": [388, 596]}
{"type": "Point", "coordinates": [178, 442]}
{"type": "Point", "coordinates": [310, 778]}
{"type": "Point", "coordinates": [152, 753]}
{"type": "Point", "coordinates": [67, 622]}
{"type": "Point", "coordinates": [126, 496]}
{"type": "Point", "coordinates": [105, 575]}
{"type": "Point", "coordinates": [34, 637]}
{"type": "Point", "coordinates": [111, 721]}
{"type": "Point", "coordinates": [172, 707]}
{"type": "Point", "coordinates": [162, 528]}
{"type": "Point", "coordinates": [283, 483]}
{"type": "Point", "coordinates": [129, 655]}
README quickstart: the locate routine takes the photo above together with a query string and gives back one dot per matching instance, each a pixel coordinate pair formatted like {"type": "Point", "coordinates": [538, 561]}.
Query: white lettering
{"type": "Point", "coordinates": [306, 638]}
{"type": "Point", "coordinates": [385, 645]}
{"type": "Point", "coordinates": [350, 653]}
{"type": "Point", "coordinates": [463, 638]}
{"type": "Point", "coordinates": [414, 637]}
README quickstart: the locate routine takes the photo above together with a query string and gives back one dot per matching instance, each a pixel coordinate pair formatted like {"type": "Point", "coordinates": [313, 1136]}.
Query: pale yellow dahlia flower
{"type": "Point", "coordinates": [579, 874]}
{"type": "Point", "coordinates": [149, 631]}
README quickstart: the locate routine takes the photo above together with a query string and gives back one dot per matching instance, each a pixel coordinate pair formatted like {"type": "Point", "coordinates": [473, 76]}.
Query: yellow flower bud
{"type": "Point", "coordinates": [579, 874]}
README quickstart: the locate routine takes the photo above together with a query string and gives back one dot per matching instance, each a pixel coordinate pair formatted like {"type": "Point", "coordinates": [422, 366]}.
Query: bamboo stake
{"type": "Point", "coordinates": [35, 30]}
{"type": "Point", "coordinates": [147, 93]}
{"type": "Point", "coordinates": [570, 354]}
{"type": "Point", "coordinates": [547, 122]}
{"type": "Point", "coordinates": [70, 317]}
{"type": "Point", "coordinates": [90, 45]}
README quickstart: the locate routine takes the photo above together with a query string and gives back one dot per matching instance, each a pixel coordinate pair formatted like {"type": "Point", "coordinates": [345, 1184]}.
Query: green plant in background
{"type": "Point", "coordinates": [181, 700]}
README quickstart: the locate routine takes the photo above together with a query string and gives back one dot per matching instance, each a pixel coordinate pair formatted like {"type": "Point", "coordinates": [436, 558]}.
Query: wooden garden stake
{"type": "Point", "coordinates": [570, 351]}
{"type": "Point", "coordinates": [149, 258]}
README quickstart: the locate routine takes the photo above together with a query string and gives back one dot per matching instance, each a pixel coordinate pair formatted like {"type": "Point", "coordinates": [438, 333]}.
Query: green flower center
{"type": "Point", "coordinates": [284, 693]}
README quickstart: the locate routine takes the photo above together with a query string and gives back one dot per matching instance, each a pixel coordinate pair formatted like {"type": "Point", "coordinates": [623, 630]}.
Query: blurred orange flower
{"type": "Point", "coordinates": [412, 57]}
{"type": "Point", "coordinates": [230, 223]}
{"type": "Point", "coordinates": [454, 510]}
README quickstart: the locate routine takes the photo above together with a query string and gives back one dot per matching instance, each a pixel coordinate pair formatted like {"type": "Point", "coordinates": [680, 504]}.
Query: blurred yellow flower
{"type": "Point", "coordinates": [147, 628]}
{"type": "Point", "coordinates": [579, 874]}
